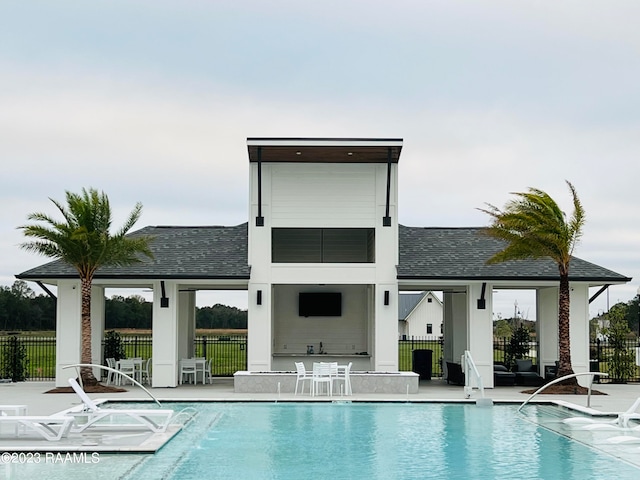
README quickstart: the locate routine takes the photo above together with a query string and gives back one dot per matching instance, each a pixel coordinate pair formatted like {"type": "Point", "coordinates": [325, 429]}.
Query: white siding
{"type": "Point", "coordinates": [323, 195]}
{"type": "Point", "coordinates": [425, 312]}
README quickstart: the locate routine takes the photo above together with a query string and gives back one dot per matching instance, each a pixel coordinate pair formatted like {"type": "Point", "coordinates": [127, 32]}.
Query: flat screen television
{"type": "Point", "coordinates": [320, 304]}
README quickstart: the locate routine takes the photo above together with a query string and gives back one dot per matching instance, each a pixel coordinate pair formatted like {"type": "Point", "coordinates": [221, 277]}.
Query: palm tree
{"type": "Point", "coordinates": [83, 241]}
{"type": "Point", "coordinates": [533, 226]}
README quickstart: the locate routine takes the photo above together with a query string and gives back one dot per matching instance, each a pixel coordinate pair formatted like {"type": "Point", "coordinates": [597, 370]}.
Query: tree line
{"type": "Point", "coordinates": [22, 309]}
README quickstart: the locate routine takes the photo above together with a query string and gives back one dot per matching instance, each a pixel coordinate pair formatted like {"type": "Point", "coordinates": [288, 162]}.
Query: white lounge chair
{"type": "Point", "coordinates": [620, 422]}
{"type": "Point", "coordinates": [51, 428]}
{"type": "Point", "coordinates": [94, 416]}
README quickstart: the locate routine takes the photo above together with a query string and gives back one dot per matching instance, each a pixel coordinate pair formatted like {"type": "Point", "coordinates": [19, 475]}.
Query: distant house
{"type": "Point", "coordinates": [420, 315]}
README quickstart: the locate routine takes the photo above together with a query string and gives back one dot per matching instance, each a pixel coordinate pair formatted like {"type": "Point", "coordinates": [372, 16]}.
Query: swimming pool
{"type": "Point", "coordinates": [356, 440]}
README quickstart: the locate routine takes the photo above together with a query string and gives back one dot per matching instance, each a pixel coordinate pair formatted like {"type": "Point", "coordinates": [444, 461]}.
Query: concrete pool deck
{"type": "Point", "coordinates": [32, 394]}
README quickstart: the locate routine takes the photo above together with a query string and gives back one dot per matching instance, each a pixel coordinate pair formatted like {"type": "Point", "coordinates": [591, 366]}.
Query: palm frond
{"type": "Point", "coordinates": [83, 238]}
{"type": "Point", "coordinates": [533, 226]}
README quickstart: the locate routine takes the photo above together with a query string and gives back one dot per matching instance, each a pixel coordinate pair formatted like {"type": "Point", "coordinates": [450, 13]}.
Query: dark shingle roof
{"type": "Point", "coordinates": [179, 252]}
{"type": "Point", "coordinates": [461, 253]}
{"type": "Point", "coordinates": [425, 253]}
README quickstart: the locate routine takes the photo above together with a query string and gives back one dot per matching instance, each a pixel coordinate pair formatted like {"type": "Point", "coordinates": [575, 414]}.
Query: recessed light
{"type": "Point", "coordinates": [298, 153]}
{"type": "Point", "coordinates": [349, 153]}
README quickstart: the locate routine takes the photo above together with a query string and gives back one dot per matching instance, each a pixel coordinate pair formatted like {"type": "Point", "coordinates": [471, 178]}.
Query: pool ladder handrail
{"type": "Point", "coordinates": [571, 375]}
{"type": "Point", "coordinates": [109, 369]}
{"type": "Point", "coordinates": [469, 364]}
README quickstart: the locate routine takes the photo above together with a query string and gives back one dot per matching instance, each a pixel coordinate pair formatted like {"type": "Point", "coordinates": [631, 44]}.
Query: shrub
{"type": "Point", "coordinates": [113, 347]}
{"type": "Point", "coordinates": [518, 346]}
{"type": "Point", "coordinates": [15, 362]}
{"type": "Point", "coordinates": [622, 360]}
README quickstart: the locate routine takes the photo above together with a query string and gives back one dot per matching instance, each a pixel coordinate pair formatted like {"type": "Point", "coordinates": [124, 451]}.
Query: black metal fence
{"type": "Point", "coordinates": [229, 354]}
{"type": "Point", "coordinates": [409, 361]}
{"type": "Point", "coordinates": [38, 362]}
{"type": "Point", "coordinates": [617, 359]}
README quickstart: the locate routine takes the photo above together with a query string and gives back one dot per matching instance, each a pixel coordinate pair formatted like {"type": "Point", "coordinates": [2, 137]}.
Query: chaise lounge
{"type": "Point", "coordinates": [90, 415]}
{"type": "Point", "coordinates": [51, 428]}
{"type": "Point", "coordinates": [527, 374]}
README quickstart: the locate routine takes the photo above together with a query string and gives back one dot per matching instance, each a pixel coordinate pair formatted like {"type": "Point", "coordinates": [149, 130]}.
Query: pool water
{"type": "Point", "coordinates": [359, 441]}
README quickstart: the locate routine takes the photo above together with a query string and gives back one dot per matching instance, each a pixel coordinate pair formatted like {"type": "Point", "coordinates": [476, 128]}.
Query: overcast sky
{"type": "Point", "coordinates": [152, 101]}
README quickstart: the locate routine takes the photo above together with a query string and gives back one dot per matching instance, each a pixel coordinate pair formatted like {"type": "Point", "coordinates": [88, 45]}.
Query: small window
{"type": "Point", "coordinates": [429, 328]}
{"type": "Point", "coordinates": [429, 300]}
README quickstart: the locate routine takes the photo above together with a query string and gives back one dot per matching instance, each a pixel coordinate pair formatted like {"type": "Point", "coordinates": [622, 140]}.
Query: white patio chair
{"type": "Point", "coordinates": [145, 372]}
{"type": "Point", "coordinates": [343, 376]}
{"type": "Point", "coordinates": [322, 374]}
{"type": "Point", "coordinates": [201, 369]}
{"type": "Point", "coordinates": [188, 368]}
{"type": "Point", "coordinates": [111, 376]}
{"type": "Point", "coordinates": [302, 376]}
{"type": "Point", "coordinates": [207, 372]}
{"type": "Point", "coordinates": [128, 367]}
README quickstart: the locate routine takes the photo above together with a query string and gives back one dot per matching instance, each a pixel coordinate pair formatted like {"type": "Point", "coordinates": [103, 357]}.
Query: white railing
{"type": "Point", "coordinates": [572, 375]}
{"type": "Point", "coordinates": [109, 369]}
{"type": "Point", "coordinates": [469, 366]}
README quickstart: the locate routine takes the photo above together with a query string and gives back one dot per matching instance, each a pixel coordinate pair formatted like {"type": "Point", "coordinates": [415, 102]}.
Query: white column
{"type": "Point", "coordinates": [97, 327]}
{"type": "Point", "coordinates": [547, 326]}
{"type": "Point", "coordinates": [68, 329]}
{"type": "Point", "coordinates": [480, 331]}
{"type": "Point", "coordinates": [186, 323]}
{"type": "Point", "coordinates": [455, 326]}
{"type": "Point", "coordinates": [165, 336]}
{"type": "Point", "coordinates": [259, 328]}
{"type": "Point", "coordinates": [386, 329]}
{"type": "Point", "coordinates": [579, 329]}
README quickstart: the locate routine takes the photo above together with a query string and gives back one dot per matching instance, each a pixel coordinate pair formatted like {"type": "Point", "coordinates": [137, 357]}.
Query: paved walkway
{"type": "Point", "coordinates": [32, 394]}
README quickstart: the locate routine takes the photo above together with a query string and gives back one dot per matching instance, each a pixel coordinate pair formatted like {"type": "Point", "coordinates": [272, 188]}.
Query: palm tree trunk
{"type": "Point", "coordinates": [85, 353]}
{"type": "Point", "coordinates": [564, 340]}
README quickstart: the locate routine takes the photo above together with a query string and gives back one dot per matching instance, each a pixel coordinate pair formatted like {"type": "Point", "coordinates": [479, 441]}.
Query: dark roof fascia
{"type": "Point", "coordinates": [321, 139]}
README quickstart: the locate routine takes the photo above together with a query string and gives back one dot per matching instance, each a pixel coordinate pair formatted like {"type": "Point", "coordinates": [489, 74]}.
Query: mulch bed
{"type": "Point", "coordinates": [89, 389]}
{"type": "Point", "coordinates": [566, 390]}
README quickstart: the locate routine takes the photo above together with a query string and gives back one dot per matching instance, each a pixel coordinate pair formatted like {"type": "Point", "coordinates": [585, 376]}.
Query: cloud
{"type": "Point", "coordinates": [152, 102]}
